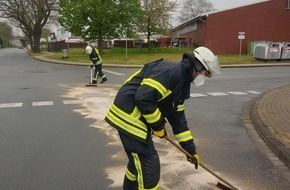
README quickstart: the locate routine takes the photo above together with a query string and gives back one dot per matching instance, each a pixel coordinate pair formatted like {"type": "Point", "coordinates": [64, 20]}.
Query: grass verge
{"type": "Point", "coordinates": [139, 56]}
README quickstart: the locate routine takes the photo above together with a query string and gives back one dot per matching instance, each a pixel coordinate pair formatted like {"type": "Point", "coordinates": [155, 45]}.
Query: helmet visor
{"type": "Point", "coordinates": [214, 66]}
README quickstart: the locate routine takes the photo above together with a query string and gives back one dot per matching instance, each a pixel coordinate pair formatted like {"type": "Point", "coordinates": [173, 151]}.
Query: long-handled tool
{"type": "Point", "coordinates": [225, 185]}
{"type": "Point", "coordinates": [91, 79]}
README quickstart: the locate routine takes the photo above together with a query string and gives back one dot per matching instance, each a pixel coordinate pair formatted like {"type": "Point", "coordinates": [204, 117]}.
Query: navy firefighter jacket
{"type": "Point", "coordinates": [95, 57]}
{"type": "Point", "coordinates": [155, 92]}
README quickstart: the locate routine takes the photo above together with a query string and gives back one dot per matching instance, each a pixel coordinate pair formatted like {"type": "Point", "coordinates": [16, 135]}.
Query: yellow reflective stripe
{"type": "Point", "coordinates": [138, 167]}
{"type": "Point", "coordinates": [155, 84]}
{"type": "Point", "coordinates": [166, 94]}
{"type": "Point", "coordinates": [139, 171]}
{"type": "Point", "coordinates": [153, 117]}
{"type": "Point", "coordinates": [181, 107]}
{"type": "Point", "coordinates": [131, 129]}
{"type": "Point", "coordinates": [100, 59]}
{"type": "Point", "coordinates": [129, 118]}
{"type": "Point", "coordinates": [130, 175]}
{"type": "Point", "coordinates": [184, 136]}
{"type": "Point", "coordinates": [136, 113]}
{"type": "Point", "coordinates": [136, 73]}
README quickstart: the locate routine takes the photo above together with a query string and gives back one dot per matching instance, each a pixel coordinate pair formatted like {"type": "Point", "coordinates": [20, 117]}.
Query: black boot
{"type": "Point", "coordinates": [104, 79]}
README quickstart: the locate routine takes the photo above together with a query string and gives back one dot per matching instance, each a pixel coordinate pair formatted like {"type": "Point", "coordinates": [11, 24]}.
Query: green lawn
{"type": "Point", "coordinates": [141, 56]}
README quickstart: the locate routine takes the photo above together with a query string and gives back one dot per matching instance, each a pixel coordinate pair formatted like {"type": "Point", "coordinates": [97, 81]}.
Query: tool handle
{"type": "Point", "coordinates": [91, 76]}
{"type": "Point", "coordinates": [205, 167]}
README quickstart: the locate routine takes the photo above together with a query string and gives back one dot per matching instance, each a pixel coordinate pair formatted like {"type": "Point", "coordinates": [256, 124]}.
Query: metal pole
{"type": "Point", "coordinates": [179, 43]}
{"type": "Point", "coordinates": [240, 48]}
{"type": "Point", "coordinates": [126, 44]}
{"type": "Point", "coordinates": [126, 48]}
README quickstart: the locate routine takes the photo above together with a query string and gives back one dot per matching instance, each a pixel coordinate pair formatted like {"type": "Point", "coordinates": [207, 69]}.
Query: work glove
{"type": "Point", "coordinates": [194, 159]}
{"type": "Point", "coordinates": [161, 134]}
{"type": "Point", "coordinates": [92, 66]}
{"type": "Point", "coordinates": [160, 129]}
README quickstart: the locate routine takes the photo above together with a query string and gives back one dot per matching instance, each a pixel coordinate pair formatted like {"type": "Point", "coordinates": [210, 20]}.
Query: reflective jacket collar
{"type": "Point", "coordinates": [188, 66]}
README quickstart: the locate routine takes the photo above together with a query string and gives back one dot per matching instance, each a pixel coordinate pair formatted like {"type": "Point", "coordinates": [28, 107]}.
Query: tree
{"type": "Point", "coordinates": [5, 34]}
{"type": "Point", "coordinates": [30, 16]}
{"type": "Point", "coordinates": [45, 33]}
{"type": "Point", "coordinates": [156, 17]}
{"type": "Point", "coordinates": [99, 19]}
{"type": "Point", "coordinates": [193, 8]}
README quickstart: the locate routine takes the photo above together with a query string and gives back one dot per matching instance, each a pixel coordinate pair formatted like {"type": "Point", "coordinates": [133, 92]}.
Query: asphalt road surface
{"type": "Point", "coordinates": [47, 140]}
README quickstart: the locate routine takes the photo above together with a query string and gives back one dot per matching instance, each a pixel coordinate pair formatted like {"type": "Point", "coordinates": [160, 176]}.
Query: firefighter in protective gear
{"type": "Point", "coordinates": [155, 92]}
{"type": "Point", "coordinates": [97, 62]}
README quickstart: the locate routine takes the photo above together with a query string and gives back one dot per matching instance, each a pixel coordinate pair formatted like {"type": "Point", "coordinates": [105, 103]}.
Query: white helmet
{"type": "Point", "coordinates": [89, 49]}
{"type": "Point", "coordinates": [208, 60]}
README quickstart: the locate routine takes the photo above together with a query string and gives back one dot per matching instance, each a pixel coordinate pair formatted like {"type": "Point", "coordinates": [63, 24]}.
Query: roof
{"type": "Point", "coordinates": [204, 15]}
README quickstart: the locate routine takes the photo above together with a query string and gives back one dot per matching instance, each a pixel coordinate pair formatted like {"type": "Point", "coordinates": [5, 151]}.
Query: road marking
{"type": "Point", "coordinates": [68, 102]}
{"type": "Point", "coordinates": [45, 103]}
{"type": "Point", "coordinates": [254, 92]}
{"type": "Point", "coordinates": [237, 93]}
{"type": "Point", "coordinates": [217, 94]}
{"type": "Point", "coordinates": [74, 102]}
{"type": "Point", "coordinates": [11, 105]}
{"type": "Point", "coordinates": [197, 95]}
{"type": "Point", "coordinates": [113, 72]}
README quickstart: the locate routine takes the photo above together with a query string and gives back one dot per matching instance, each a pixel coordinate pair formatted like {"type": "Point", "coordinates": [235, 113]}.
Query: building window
{"type": "Point", "coordinates": [287, 4]}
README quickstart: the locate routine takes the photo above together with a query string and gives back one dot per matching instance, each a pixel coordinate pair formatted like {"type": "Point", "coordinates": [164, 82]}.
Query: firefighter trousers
{"type": "Point", "coordinates": [143, 168]}
{"type": "Point", "coordinates": [98, 72]}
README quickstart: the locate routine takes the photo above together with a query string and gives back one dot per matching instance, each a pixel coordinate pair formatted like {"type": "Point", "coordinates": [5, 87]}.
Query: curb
{"type": "Point", "coordinates": [277, 146]}
{"type": "Point", "coordinates": [44, 59]}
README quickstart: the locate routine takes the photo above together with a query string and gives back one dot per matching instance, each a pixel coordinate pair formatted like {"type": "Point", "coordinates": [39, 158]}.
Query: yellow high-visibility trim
{"type": "Point", "coordinates": [130, 176]}
{"type": "Point", "coordinates": [140, 180]}
{"type": "Point", "coordinates": [153, 117]}
{"type": "Point", "coordinates": [155, 84]}
{"type": "Point", "coordinates": [133, 130]}
{"type": "Point", "coordinates": [181, 107]}
{"type": "Point", "coordinates": [184, 136]}
{"type": "Point", "coordinates": [166, 94]}
{"type": "Point", "coordinates": [136, 113]}
{"type": "Point", "coordinates": [139, 171]}
{"type": "Point", "coordinates": [129, 118]}
{"type": "Point", "coordinates": [130, 78]}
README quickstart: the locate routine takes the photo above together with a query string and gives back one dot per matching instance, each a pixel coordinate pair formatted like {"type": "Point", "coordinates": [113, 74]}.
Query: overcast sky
{"type": "Point", "coordinates": [222, 4]}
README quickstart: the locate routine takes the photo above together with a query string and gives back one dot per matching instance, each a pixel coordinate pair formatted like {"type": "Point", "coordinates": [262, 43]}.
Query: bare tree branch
{"type": "Point", "coordinates": [30, 16]}
{"type": "Point", "coordinates": [193, 8]}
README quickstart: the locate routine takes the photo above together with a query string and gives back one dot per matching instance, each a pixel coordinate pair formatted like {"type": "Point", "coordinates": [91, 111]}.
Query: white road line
{"type": "Point", "coordinates": [45, 103]}
{"type": "Point", "coordinates": [71, 102]}
{"type": "Point", "coordinates": [237, 93]}
{"type": "Point", "coordinates": [254, 92]}
{"type": "Point", "coordinates": [11, 105]}
{"type": "Point", "coordinates": [217, 94]}
{"type": "Point", "coordinates": [197, 95]}
{"type": "Point", "coordinates": [113, 72]}
{"type": "Point", "coordinates": [68, 102]}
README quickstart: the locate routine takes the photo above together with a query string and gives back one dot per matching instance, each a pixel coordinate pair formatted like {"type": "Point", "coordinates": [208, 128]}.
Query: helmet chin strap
{"type": "Point", "coordinates": [194, 74]}
{"type": "Point", "coordinates": [197, 66]}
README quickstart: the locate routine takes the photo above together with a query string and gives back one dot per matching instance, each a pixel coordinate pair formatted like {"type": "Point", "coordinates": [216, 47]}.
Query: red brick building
{"type": "Point", "coordinates": [264, 20]}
